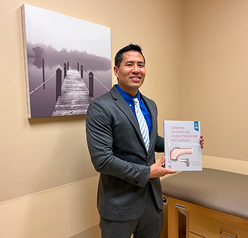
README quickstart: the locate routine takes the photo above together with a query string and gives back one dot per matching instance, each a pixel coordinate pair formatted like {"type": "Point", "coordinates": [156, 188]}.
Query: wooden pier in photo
{"type": "Point", "coordinates": [74, 98]}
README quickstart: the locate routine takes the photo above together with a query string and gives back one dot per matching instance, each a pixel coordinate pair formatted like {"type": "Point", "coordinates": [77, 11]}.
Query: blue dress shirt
{"type": "Point", "coordinates": [129, 100]}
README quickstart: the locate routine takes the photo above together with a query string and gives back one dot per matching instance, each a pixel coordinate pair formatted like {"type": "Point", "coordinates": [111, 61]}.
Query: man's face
{"type": "Point", "coordinates": [131, 73]}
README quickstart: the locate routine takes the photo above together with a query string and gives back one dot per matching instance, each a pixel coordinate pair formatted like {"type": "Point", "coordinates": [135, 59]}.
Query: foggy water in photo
{"type": "Point", "coordinates": [43, 100]}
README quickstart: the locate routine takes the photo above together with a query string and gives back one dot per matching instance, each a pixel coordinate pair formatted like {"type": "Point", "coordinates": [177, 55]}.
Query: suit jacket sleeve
{"type": "Point", "coordinates": [99, 131]}
{"type": "Point", "coordinates": [159, 146]}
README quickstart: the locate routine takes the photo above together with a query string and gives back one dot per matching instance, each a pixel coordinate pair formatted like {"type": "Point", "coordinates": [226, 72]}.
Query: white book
{"type": "Point", "coordinates": [182, 145]}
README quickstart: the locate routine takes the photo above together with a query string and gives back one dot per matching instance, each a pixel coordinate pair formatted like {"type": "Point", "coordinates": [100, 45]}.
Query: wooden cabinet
{"type": "Point", "coordinates": [218, 195]}
{"type": "Point", "coordinates": [203, 222]}
{"type": "Point", "coordinates": [209, 227]}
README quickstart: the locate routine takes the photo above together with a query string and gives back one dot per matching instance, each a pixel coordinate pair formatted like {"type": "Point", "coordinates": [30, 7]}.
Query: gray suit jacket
{"type": "Point", "coordinates": [118, 152]}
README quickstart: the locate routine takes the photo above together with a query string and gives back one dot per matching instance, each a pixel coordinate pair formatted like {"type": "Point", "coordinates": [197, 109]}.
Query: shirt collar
{"type": "Point", "coordinates": [127, 97]}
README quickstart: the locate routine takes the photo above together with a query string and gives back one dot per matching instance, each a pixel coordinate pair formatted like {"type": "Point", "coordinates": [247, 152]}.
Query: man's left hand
{"type": "Point", "coordinates": [202, 141]}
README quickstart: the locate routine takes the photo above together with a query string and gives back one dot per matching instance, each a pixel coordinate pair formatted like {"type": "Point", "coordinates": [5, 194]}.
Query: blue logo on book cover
{"type": "Point", "coordinates": [196, 125]}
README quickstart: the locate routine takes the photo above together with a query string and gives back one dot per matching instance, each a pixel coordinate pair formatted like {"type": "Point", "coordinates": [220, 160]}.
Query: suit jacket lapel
{"type": "Point", "coordinates": [122, 105]}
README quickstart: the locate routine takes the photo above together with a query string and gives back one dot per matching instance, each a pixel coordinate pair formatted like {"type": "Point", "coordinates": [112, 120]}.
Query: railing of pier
{"type": "Point", "coordinates": [41, 84]}
{"type": "Point", "coordinates": [92, 77]}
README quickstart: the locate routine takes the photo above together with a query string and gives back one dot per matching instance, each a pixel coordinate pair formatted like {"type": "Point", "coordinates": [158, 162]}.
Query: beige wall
{"type": "Point", "coordinates": [47, 183]}
{"type": "Point", "coordinates": [215, 74]}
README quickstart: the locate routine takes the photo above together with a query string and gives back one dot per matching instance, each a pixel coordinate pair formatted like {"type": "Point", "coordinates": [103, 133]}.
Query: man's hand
{"type": "Point", "coordinates": [202, 141]}
{"type": "Point", "coordinates": [157, 169]}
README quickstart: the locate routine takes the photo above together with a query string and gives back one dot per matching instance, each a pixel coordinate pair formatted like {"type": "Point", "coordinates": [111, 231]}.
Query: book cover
{"type": "Point", "coordinates": [182, 145]}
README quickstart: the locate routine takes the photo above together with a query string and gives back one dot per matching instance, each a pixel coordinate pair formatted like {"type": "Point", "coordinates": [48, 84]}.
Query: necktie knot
{"type": "Point", "coordinates": [136, 101]}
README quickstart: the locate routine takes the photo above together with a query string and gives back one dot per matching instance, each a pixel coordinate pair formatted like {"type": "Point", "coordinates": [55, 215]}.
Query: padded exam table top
{"type": "Point", "coordinates": [215, 189]}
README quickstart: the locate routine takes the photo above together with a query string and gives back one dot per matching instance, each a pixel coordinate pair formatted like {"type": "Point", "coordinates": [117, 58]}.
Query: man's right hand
{"type": "Point", "coordinates": [157, 169]}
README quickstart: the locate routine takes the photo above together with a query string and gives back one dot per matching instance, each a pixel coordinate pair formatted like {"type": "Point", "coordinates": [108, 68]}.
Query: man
{"type": "Point", "coordinates": [129, 192]}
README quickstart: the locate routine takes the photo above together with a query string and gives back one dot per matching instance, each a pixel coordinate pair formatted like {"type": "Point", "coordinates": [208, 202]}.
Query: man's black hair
{"type": "Point", "coordinates": [119, 54]}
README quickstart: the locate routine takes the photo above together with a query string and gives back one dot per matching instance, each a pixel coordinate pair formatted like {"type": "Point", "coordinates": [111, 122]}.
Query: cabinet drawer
{"type": "Point", "coordinates": [211, 228]}
{"type": "Point", "coordinates": [192, 235]}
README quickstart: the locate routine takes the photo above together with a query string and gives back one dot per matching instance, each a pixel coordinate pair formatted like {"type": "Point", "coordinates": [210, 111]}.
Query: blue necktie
{"type": "Point", "coordinates": [142, 123]}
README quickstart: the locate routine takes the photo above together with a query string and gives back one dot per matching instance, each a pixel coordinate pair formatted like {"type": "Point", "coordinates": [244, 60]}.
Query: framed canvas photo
{"type": "Point", "coordinates": [67, 61]}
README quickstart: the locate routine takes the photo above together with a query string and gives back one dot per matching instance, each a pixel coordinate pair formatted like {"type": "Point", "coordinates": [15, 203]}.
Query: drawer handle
{"type": "Point", "coordinates": [223, 234]}
{"type": "Point", "coordinates": [180, 206]}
